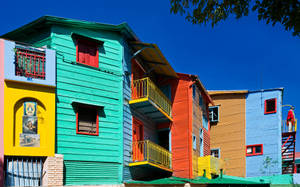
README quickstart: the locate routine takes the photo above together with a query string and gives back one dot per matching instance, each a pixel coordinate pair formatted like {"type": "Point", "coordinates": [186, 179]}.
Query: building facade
{"type": "Point", "coordinates": [89, 105]}
{"type": "Point", "coordinates": [27, 115]}
{"type": "Point", "coordinates": [252, 122]}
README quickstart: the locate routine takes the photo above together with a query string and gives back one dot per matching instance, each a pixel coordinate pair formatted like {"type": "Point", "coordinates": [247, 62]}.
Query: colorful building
{"type": "Point", "coordinates": [246, 131]}
{"type": "Point", "coordinates": [89, 105]}
{"type": "Point", "coordinates": [190, 129]}
{"type": "Point", "coordinates": [27, 115]}
{"type": "Point", "coordinates": [147, 114]}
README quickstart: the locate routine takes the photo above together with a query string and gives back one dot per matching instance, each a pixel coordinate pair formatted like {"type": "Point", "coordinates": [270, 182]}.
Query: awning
{"type": "Point", "coordinates": [152, 56]}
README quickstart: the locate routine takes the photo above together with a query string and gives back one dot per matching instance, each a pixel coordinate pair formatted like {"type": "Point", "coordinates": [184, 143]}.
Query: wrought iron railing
{"type": "Point", "coordinates": [30, 63]}
{"type": "Point", "coordinates": [145, 88]}
{"type": "Point", "coordinates": [285, 127]}
{"type": "Point", "coordinates": [151, 152]}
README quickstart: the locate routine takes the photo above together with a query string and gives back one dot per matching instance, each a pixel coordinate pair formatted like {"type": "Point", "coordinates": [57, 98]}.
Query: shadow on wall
{"type": "Point", "coordinates": [18, 105]}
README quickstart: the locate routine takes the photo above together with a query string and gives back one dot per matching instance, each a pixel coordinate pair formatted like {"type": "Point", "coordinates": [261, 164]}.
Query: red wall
{"type": "Point", "coordinates": [182, 128]}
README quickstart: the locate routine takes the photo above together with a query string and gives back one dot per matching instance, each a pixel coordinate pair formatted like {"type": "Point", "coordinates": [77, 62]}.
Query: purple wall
{"type": "Point", "coordinates": [1, 110]}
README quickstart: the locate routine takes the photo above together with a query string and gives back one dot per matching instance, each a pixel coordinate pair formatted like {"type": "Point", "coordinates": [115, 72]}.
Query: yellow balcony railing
{"type": "Point", "coordinates": [211, 166]}
{"type": "Point", "coordinates": [145, 88]}
{"type": "Point", "coordinates": [151, 153]}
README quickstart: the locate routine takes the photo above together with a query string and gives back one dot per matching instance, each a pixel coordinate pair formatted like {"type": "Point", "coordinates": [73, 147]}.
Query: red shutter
{"type": "Point", "coordinates": [87, 53]}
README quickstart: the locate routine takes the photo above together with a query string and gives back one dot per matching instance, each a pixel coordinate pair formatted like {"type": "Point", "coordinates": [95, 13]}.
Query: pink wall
{"type": "Point", "coordinates": [1, 111]}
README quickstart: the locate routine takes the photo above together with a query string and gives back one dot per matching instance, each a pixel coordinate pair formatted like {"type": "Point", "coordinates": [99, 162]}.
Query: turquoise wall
{"type": "Point", "coordinates": [103, 87]}
{"type": "Point", "coordinates": [263, 129]}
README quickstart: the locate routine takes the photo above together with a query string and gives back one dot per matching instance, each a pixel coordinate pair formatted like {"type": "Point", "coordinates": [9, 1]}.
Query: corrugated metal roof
{"type": "Point", "coordinates": [153, 57]}
{"type": "Point", "coordinates": [170, 180]}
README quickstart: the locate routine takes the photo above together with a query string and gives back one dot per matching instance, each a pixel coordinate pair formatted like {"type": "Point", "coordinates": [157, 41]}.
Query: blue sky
{"type": "Point", "coordinates": [236, 54]}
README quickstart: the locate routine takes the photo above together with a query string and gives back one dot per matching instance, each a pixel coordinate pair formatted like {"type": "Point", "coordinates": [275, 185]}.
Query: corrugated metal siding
{"type": "Point", "coordinates": [206, 142]}
{"type": "Point", "coordinates": [181, 129]}
{"type": "Point", "coordinates": [91, 173]}
{"type": "Point", "coordinates": [263, 129]}
{"type": "Point", "coordinates": [232, 124]}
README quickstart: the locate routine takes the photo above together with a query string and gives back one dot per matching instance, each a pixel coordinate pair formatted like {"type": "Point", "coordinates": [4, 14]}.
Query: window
{"type": "Point", "coordinates": [215, 153]}
{"type": "Point", "coordinates": [200, 100]}
{"type": "Point", "coordinates": [214, 114]}
{"type": "Point", "coordinates": [30, 63]}
{"type": "Point", "coordinates": [194, 142]}
{"type": "Point", "coordinates": [201, 142]}
{"type": "Point", "coordinates": [194, 91]}
{"type": "Point", "coordinates": [87, 120]}
{"type": "Point", "coordinates": [204, 121]}
{"type": "Point", "coordinates": [270, 106]}
{"type": "Point", "coordinates": [252, 150]}
{"type": "Point", "coordinates": [87, 53]}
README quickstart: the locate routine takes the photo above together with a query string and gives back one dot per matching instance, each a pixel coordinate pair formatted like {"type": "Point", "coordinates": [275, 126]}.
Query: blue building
{"type": "Point", "coordinates": [263, 132]}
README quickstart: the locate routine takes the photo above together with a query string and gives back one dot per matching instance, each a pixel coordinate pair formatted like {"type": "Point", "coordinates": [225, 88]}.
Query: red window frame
{"type": "Point", "coordinates": [97, 120]}
{"type": "Point", "coordinates": [271, 112]}
{"type": "Point", "coordinates": [253, 150]}
{"type": "Point", "coordinates": [93, 60]}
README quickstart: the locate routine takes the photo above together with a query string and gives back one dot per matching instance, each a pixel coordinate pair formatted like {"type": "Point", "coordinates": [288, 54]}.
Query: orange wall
{"type": "Point", "coordinates": [229, 133]}
{"type": "Point", "coordinates": [182, 128]}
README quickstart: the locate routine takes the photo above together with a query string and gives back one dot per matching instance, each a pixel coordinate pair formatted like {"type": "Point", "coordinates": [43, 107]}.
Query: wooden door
{"type": "Point", "coordinates": [137, 139]}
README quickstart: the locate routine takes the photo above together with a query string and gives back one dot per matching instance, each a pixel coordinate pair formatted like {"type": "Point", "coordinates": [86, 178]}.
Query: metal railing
{"type": "Point", "coordinates": [285, 128]}
{"type": "Point", "coordinates": [145, 88]}
{"type": "Point", "coordinates": [30, 63]}
{"type": "Point", "coordinates": [151, 152]}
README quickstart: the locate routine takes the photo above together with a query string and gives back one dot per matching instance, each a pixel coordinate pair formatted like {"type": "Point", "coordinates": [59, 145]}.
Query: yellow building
{"type": "Point", "coordinates": [27, 115]}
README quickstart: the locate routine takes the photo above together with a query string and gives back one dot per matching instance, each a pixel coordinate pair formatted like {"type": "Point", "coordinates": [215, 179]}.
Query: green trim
{"type": "Point", "coordinates": [47, 21]}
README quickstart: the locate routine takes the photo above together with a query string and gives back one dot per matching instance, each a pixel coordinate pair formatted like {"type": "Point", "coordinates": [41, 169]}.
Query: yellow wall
{"type": "Point", "coordinates": [15, 94]}
{"type": "Point", "coordinates": [229, 133]}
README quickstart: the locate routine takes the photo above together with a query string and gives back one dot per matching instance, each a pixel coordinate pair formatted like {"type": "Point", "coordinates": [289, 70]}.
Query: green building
{"type": "Point", "coordinates": [89, 102]}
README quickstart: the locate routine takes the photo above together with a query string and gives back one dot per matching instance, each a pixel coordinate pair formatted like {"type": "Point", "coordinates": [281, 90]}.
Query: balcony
{"type": "Point", "coordinates": [148, 99]}
{"type": "Point", "coordinates": [210, 166]}
{"type": "Point", "coordinates": [28, 64]}
{"type": "Point", "coordinates": [149, 158]}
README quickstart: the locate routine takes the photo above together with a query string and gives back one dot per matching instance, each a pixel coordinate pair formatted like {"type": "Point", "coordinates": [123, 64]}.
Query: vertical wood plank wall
{"type": "Point", "coordinates": [229, 133]}
{"type": "Point", "coordinates": [182, 129]}
{"type": "Point", "coordinates": [1, 111]}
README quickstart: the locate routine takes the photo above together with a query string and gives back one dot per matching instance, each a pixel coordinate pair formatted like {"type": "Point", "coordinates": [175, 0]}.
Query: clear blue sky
{"type": "Point", "coordinates": [236, 54]}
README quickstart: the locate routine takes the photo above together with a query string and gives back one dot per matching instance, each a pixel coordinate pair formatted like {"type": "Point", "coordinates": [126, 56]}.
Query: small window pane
{"type": "Point", "coordinates": [87, 120]}
{"type": "Point", "coordinates": [249, 150]}
{"type": "Point", "coordinates": [257, 149]}
{"type": "Point", "coordinates": [270, 106]}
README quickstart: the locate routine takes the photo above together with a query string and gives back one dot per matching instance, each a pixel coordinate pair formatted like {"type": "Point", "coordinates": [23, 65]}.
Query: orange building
{"type": "Point", "coordinates": [190, 130]}
{"type": "Point", "coordinates": [230, 124]}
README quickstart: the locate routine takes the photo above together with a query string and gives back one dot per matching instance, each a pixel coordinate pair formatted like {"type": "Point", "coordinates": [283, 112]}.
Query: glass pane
{"type": "Point", "coordinates": [257, 149]}
{"type": "Point", "coordinates": [249, 150]}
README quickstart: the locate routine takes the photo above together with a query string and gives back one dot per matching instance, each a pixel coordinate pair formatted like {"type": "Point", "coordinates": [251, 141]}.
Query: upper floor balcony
{"type": "Point", "coordinates": [25, 63]}
{"type": "Point", "coordinates": [150, 100]}
{"type": "Point", "coordinates": [150, 158]}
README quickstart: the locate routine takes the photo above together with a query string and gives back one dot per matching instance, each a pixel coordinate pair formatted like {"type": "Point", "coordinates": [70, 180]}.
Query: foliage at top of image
{"type": "Point", "coordinates": [284, 12]}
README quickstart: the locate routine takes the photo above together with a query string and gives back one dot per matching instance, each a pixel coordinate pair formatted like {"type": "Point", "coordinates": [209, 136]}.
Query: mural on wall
{"type": "Point", "coordinates": [29, 137]}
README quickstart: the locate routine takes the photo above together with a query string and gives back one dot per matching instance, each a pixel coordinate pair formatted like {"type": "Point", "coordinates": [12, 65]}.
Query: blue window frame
{"type": "Point", "coordinates": [204, 121]}
{"type": "Point", "coordinates": [194, 142]}
{"type": "Point", "coordinates": [201, 142]}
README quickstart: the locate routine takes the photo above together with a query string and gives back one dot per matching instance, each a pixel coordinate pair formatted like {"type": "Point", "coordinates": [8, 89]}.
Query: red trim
{"type": "Point", "coordinates": [253, 150]}
{"type": "Point", "coordinates": [97, 121]}
{"type": "Point", "coordinates": [95, 59]}
{"type": "Point", "coordinates": [271, 112]}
